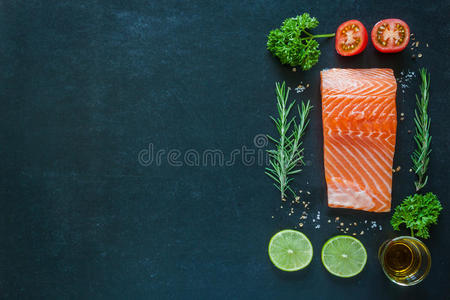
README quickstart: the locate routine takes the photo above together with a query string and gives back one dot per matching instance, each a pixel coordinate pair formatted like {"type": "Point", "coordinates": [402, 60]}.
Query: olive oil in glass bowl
{"type": "Point", "coordinates": [405, 260]}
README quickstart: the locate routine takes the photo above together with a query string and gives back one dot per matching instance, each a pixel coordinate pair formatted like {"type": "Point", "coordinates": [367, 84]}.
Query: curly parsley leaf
{"type": "Point", "coordinates": [293, 44]}
{"type": "Point", "coordinates": [417, 212]}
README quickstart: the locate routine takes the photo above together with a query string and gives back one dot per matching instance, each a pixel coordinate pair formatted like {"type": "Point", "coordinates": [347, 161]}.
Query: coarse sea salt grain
{"type": "Point", "coordinates": [300, 89]}
{"type": "Point", "coordinates": [317, 226]}
{"type": "Point", "coordinates": [405, 79]}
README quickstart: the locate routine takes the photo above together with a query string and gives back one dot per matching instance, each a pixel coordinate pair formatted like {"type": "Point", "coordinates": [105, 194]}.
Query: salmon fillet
{"type": "Point", "coordinates": [359, 129]}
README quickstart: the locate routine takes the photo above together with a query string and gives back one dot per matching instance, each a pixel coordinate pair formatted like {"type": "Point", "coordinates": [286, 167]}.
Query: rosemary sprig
{"type": "Point", "coordinates": [288, 155]}
{"type": "Point", "coordinates": [420, 156]}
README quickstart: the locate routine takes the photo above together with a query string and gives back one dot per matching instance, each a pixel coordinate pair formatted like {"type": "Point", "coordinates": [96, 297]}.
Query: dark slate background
{"type": "Point", "coordinates": [86, 85]}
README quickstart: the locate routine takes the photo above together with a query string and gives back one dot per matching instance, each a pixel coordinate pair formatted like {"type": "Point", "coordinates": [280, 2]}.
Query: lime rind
{"type": "Point", "coordinates": [290, 250]}
{"type": "Point", "coordinates": [334, 247]}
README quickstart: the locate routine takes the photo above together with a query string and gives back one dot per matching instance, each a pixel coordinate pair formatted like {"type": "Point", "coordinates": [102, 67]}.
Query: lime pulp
{"type": "Point", "coordinates": [344, 256]}
{"type": "Point", "coordinates": [290, 250]}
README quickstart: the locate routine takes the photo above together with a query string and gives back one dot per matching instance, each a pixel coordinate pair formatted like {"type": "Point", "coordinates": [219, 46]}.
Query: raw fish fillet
{"type": "Point", "coordinates": [359, 128]}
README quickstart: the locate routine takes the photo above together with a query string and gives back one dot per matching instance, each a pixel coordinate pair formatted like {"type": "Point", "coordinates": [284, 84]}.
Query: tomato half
{"type": "Point", "coordinates": [390, 35]}
{"type": "Point", "coordinates": [351, 38]}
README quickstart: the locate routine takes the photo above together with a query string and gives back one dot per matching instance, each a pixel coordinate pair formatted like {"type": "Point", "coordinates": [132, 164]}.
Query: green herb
{"type": "Point", "coordinates": [293, 44]}
{"type": "Point", "coordinates": [417, 212]}
{"type": "Point", "coordinates": [288, 155]}
{"type": "Point", "coordinates": [421, 155]}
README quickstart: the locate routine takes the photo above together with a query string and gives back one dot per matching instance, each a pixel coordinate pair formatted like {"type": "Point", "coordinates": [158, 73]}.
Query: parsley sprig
{"type": "Point", "coordinates": [417, 212]}
{"type": "Point", "coordinates": [293, 44]}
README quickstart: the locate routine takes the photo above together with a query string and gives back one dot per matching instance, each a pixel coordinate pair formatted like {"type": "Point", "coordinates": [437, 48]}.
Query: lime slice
{"type": "Point", "coordinates": [344, 256]}
{"type": "Point", "coordinates": [290, 250]}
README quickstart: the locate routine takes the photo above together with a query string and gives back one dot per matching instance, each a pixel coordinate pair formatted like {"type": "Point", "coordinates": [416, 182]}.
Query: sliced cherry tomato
{"type": "Point", "coordinates": [351, 38]}
{"type": "Point", "coordinates": [390, 35]}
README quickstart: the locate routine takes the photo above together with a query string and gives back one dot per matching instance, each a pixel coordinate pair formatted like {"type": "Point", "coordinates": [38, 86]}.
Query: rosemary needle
{"type": "Point", "coordinates": [420, 156]}
{"type": "Point", "coordinates": [288, 155]}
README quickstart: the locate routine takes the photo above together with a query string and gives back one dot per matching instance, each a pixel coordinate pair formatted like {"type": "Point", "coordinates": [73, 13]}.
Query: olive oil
{"type": "Point", "coordinates": [405, 260]}
{"type": "Point", "coordinates": [401, 260]}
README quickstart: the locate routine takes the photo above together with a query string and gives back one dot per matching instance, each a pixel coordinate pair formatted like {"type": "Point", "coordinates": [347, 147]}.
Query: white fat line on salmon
{"type": "Point", "coordinates": [375, 160]}
{"type": "Point", "coordinates": [362, 162]}
{"type": "Point", "coordinates": [331, 166]}
{"type": "Point", "coordinates": [338, 171]}
{"type": "Point", "coordinates": [343, 158]}
{"type": "Point", "coordinates": [356, 170]}
{"type": "Point", "coordinates": [360, 87]}
{"type": "Point", "coordinates": [342, 199]}
{"type": "Point", "coordinates": [377, 153]}
{"type": "Point", "coordinates": [379, 139]}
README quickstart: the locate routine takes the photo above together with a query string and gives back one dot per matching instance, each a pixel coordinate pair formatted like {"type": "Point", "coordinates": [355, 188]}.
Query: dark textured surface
{"type": "Point", "coordinates": [86, 85]}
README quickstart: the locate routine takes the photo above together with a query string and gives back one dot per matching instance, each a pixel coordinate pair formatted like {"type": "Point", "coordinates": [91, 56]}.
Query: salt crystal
{"type": "Point", "coordinates": [405, 79]}
{"type": "Point", "coordinates": [300, 89]}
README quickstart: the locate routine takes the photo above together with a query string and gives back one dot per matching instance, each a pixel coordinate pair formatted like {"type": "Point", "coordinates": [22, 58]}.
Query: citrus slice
{"type": "Point", "coordinates": [290, 250]}
{"type": "Point", "coordinates": [344, 256]}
